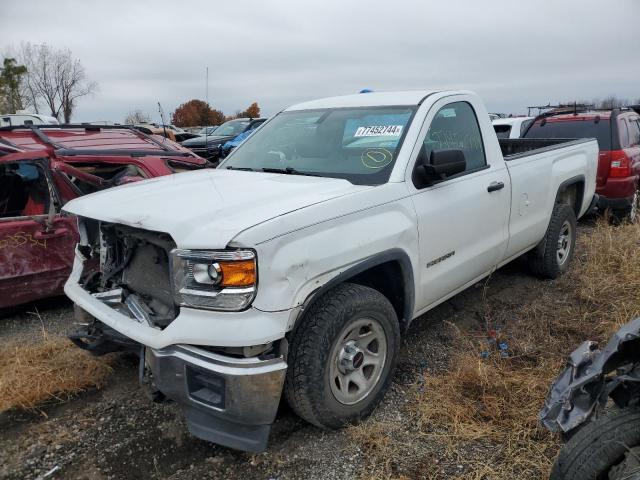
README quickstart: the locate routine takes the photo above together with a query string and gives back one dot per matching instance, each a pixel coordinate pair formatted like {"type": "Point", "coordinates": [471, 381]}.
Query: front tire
{"type": "Point", "coordinates": [599, 447]}
{"type": "Point", "coordinates": [554, 253]}
{"type": "Point", "coordinates": [342, 356]}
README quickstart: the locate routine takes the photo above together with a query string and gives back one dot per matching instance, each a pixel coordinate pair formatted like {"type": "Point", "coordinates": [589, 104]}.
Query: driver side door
{"type": "Point", "coordinates": [36, 248]}
{"type": "Point", "coordinates": [462, 220]}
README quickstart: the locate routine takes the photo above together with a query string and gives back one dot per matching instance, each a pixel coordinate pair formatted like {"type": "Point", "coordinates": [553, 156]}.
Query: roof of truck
{"type": "Point", "coordinates": [371, 99]}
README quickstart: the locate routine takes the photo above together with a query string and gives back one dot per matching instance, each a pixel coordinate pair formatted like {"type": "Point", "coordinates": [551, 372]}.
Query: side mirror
{"type": "Point", "coordinates": [440, 165]}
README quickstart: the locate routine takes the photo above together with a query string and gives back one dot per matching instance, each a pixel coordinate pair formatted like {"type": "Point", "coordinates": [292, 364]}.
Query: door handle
{"type": "Point", "coordinates": [495, 186]}
{"type": "Point", "coordinates": [58, 232]}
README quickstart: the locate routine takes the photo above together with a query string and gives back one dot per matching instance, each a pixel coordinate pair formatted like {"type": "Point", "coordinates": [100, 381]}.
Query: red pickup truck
{"type": "Point", "coordinates": [44, 166]}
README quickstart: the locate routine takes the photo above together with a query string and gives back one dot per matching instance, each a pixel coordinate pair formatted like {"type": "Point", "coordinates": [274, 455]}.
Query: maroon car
{"type": "Point", "coordinates": [41, 168]}
{"type": "Point", "coordinates": [618, 133]}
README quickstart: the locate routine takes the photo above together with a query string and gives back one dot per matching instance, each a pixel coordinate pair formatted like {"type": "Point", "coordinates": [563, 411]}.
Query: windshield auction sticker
{"type": "Point", "coordinates": [379, 131]}
{"type": "Point", "coordinates": [376, 157]}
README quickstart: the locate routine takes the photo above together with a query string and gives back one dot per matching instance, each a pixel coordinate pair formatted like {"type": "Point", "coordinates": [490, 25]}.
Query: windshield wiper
{"type": "Point", "coordinates": [246, 169]}
{"type": "Point", "coordinates": [289, 171]}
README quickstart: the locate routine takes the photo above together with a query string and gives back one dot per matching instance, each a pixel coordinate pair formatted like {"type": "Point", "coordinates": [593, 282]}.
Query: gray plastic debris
{"type": "Point", "coordinates": [589, 379]}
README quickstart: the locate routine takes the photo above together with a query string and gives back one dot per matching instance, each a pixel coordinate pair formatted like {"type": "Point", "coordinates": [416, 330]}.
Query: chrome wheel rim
{"type": "Point", "coordinates": [564, 243]}
{"type": "Point", "coordinates": [357, 360]}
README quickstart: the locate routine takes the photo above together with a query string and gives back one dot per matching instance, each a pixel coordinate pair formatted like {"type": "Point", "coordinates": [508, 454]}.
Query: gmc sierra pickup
{"type": "Point", "coordinates": [299, 262]}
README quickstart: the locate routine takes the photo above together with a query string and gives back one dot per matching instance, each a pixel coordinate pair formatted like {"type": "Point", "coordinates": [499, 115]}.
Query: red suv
{"type": "Point", "coordinates": [42, 167]}
{"type": "Point", "coordinates": [618, 133]}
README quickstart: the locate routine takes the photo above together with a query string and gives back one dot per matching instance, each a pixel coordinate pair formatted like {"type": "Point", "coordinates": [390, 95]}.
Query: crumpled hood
{"type": "Point", "coordinates": [208, 208]}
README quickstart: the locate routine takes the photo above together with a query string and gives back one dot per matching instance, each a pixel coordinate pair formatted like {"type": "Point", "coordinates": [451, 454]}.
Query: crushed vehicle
{"type": "Point", "coordinates": [173, 133]}
{"type": "Point", "coordinates": [43, 167]}
{"type": "Point", "coordinates": [298, 263]}
{"type": "Point", "coordinates": [208, 146]}
{"type": "Point", "coordinates": [603, 442]}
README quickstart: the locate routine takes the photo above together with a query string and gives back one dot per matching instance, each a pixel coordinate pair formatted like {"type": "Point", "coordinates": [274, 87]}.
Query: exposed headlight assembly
{"type": "Point", "coordinates": [214, 279]}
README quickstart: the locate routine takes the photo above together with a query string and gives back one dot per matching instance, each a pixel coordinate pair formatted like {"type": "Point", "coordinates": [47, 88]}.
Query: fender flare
{"type": "Point", "coordinates": [393, 255]}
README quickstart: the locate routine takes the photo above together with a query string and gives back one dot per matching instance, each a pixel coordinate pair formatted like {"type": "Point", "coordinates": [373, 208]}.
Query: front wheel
{"type": "Point", "coordinates": [342, 356]}
{"type": "Point", "coordinates": [553, 255]}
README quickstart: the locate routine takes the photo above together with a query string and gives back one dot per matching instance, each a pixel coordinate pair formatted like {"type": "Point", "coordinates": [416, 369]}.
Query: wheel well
{"type": "Point", "coordinates": [571, 193]}
{"type": "Point", "coordinates": [387, 278]}
{"type": "Point", "coordinates": [389, 272]}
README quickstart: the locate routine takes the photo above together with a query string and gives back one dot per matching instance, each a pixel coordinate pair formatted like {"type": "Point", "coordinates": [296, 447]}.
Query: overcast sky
{"type": "Point", "coordinates": [514, 53]}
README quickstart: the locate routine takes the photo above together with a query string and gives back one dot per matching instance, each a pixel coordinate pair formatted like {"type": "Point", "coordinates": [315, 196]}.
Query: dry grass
{"type": "Point", "coordinates": [50, 369]}
{"type": "Point", "coordinates": [495, 401]}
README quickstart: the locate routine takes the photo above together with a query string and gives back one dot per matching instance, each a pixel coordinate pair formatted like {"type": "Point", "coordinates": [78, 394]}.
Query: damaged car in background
{"type": "Point", "coordinates": [43, 167]}
{"type": "Point", "coordinates": [595, 404]}
{"type": "Point", "coordinates": [209, 145]}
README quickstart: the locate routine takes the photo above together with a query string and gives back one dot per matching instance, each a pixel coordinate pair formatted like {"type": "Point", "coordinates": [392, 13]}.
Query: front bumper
{"type": "Point", "coordinates": [228, 401]}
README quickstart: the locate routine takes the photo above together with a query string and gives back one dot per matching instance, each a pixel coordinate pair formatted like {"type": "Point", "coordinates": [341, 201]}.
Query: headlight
{"type": "Point", "coordinates": [215, 280]}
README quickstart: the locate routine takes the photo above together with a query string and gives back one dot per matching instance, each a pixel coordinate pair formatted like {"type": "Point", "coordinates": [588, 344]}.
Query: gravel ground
{"type": "Point", "coordinates": [117, 432]}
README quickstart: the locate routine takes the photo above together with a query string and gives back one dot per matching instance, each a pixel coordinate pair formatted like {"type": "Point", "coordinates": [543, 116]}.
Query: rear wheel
{"type": "Point", "coordinates": [629, 214]}
{"type": "Point", "coordinates": [553, 255]}
{"type": "Point", "coordinates": [342, 356]}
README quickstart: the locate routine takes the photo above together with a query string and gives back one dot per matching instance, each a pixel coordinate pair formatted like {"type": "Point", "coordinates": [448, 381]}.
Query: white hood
{"type": "Point", "coordinates": [208, 208]}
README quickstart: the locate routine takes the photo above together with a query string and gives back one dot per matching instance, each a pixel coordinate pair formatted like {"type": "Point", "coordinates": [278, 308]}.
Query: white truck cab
{"type": "Point", "coordinates": [299, 262]}
{"type": "Point", "coordinates": [511, 127]}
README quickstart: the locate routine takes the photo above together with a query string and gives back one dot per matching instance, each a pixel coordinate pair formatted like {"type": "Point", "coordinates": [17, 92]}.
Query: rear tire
{"type": "Point", "coordinates": [598, 446]}
{"type": "Point", "coordinates": [553, 254]}
{"type": "Point", "coordinates": [629, 214]}
{"type": "Point", "coordinates": [342, 356]}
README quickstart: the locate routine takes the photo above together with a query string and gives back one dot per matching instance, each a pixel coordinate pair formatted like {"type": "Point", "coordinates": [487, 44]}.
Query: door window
{"type": "Point", "coordinates": [624, 133]}
{"type": "Point", "coordinates": [502, 131]}
{"type": "Point", "coordinates": [455, 127]}
{"type": "Point", "coordinates": [24, 191]}
{"type": "Point", "coordinates": [634, 131]}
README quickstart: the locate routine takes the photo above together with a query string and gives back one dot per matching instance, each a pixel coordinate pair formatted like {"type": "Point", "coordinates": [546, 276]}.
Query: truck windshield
{"type": "Point", "coordinates": [357, 144]}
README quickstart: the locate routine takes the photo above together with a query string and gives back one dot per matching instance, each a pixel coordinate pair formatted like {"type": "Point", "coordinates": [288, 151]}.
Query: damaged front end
{"type": "Point", "coordinates": [128, 270]}
{"type": "Point", "coordinates": [591, 377]}
{"type": "Point", "coordinates": [135, 291]}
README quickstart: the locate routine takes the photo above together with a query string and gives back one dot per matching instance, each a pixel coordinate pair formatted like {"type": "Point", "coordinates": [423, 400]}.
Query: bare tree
{"type": "Point", "coordinates": [613, 102]}
{"type": "Point", "coordinates": [54, 78]}
{"type": "Point", "coordinates": [136, 117]}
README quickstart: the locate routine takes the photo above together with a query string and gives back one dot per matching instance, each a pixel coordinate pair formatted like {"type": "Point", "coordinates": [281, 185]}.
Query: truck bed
{"type": "Point", "coordinates": [514, 148]}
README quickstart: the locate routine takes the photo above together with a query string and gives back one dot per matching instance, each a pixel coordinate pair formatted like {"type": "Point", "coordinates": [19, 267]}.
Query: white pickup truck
{"type": "Point", "coordinates": [298, 263]}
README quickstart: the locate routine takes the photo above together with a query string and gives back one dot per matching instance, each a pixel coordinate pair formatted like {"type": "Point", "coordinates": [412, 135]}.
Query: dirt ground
{"type": "Point", "coordinates": [117, 432]}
